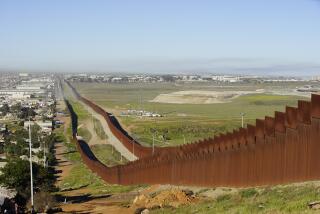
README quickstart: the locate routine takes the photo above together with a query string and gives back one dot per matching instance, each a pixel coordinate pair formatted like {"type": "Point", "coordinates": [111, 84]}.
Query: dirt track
{"type": "Point", "coordinates": [82, 202]}
{"type": "Point", "coordinates": [63, 166]}
{"type": "Point", "coordinates": [111, 138]}
{"type": "Point", "coordinates": [95, 139]}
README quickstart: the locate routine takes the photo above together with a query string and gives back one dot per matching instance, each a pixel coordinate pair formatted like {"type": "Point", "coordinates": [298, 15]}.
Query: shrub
{"type": "Point", "coordinates": [248, 193]}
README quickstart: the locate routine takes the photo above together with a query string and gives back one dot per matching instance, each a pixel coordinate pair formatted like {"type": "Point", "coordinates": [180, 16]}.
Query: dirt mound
{"type": "Point", "coordinates": [200, 97]}
{"type": "Point", "coordinates": [172, 197]}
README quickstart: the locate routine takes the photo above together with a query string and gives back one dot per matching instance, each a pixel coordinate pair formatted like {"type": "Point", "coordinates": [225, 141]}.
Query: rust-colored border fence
{"type": "Point", "coordinates": [280, 149]}
{"type": "Point", "coordinates": [115, 128]}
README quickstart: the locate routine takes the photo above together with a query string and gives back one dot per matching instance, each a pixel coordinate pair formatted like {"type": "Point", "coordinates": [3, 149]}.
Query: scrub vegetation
{"type": "Point", "coordinates": [185, 123]}
{"type": "Point", "coordinates": [278, 199]}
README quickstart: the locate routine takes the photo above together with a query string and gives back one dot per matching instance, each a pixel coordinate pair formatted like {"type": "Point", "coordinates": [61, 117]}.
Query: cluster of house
{"type": "Point", "coordinates": [114, 78]}
{"type": "Point", "coordinates": [42, 108]}
{"type": "Point", "coordinates": [24, 87]}
{"type": "Point", "coordinates": [151, 78]}
{"type": "Point", "coordinates": [3, 131]}
{"type": "Point", "coordinates": [141, 113]}
{"type": "Point", "coordinates": [35, 95]}
{"type": "Point", "coordinates": [46, 128]}
{"type": "Point", "coordinates": [309, 88]}
{"type": "Point", "coordinates": [36, 92]}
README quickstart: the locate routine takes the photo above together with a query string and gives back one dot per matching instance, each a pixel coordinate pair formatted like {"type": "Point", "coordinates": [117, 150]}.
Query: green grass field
{"type": "Point", "coordinates": [185, 122]}
{"type": "Point", "coordinates": [108, 155]}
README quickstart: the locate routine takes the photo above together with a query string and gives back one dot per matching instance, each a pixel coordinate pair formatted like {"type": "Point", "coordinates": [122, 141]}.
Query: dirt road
{"type": "Point", "coordinates": [95, 139]}
{"type": "Point", "coordinates": [79, 201]}
{"type": "Point", "coordinates": [111, 138]}
{"type": "Point", "coordinates": [63, 166]}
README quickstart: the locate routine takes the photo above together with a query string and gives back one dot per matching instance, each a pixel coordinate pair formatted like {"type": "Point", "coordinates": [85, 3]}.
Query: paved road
{"type": "Point", "coordinates": [111, 138]}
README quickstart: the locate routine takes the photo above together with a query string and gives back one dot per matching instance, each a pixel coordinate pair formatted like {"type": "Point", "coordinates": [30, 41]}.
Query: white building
{"type": "Point", "coordinates": [225, 78]}
{"type": "Point", "coordinates": [45, 126]}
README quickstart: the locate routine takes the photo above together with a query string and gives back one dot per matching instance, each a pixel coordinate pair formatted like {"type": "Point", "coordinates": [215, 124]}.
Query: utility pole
{"type": "Point", "coordinates": [153, 130]}
{"type": "Point", "coordinates": [242, 118]}
{"type": "Point", "coordinates": [94, 125]}
{"type": "Point", "coordinates": [44, 155]}
{"type": "Point", "coordinates": [153, 144]}
{"type": "Point", "coordinates": [30, 159]}
{"type": "Point", "coordinates": [44, 151]}
{"type": "Point", "coordinates": [133, 148]}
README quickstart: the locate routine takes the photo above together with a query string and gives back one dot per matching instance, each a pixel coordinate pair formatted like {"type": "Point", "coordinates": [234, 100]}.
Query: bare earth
{"type": "Point", "coordinates": [63, 166]}
{"type": "Point", "coordinates": [82, 202]}
{"type": "Point", "coordinates": [200, 97]}
{"type": "Point", "coordinates": [95, 139]}
{"type": "Point", "coordinates": [113, 140]}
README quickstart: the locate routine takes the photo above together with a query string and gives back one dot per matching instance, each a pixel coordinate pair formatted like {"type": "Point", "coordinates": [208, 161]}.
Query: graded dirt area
{"type": "Point", "coordinates": [200, 97]}
{"type": "Point", "coordinates": [63, 166]}
{"type": "Point", "coordinates": [112, 139]}
{"type": "Point", "coordinates": [153, 197]}
{"type": "Point", "coordinates": [79, 201]}
{"type": "Point", "coordinates": [95, 139]}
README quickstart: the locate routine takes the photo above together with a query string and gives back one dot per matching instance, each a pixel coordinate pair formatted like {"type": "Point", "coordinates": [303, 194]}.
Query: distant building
{"type": "Point", "coordinates": [23, 75]}
{"type": "Point", "coordinates": [3, 127]}
{"type": "Point", "coordinates": [116, 79]}
{"type": "Point", "coordinates": [45, 126]}
{"type": "Point", "coordinates": [316, 78]}
{"type": "Point", "coordinates": [28, 87]}
{"type": "Point", "coordinates": [225, 78]}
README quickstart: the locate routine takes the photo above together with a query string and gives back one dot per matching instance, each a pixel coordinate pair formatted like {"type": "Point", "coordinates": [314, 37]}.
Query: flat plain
{"type": "Point", "coordinates": [185, 123]}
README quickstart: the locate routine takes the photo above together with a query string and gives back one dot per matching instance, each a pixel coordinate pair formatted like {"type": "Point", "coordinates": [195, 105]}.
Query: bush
{"type": "Point", "coordinates": [43, 202]}
{"type": "Point", "coordinates": [248, 193]}
{"type": "Point", "coordinates": [16, 174]}
{"type": "Point", "coordinates": [225, 197]}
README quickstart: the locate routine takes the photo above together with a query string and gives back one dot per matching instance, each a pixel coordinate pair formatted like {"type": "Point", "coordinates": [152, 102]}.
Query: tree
{"type": "Point", "coordinates": [1, 148]}
{"type": "Point", "coordinates": [168, 78]}
{"type": "Point", "coordinates": [5, 109]}
{"type": "Point", "coordinates": [165, 135]}
{"type": "Point", "coordinates": [16, 174]}
{"type": "Point", "coordinates": [16, 108]}
{"type": "Point", "coordinates": [20, 133]}
{"type": "Point", "coordinates": [16, 149]}
{"type": "Point", "coordinates": [35, 129]}
{"type": "Point", "coordinates": [26, 112]}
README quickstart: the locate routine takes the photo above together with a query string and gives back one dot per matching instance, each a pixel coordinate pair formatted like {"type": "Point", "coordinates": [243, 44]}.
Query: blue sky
{"type": "Point", "coordinates": [245, 36]}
